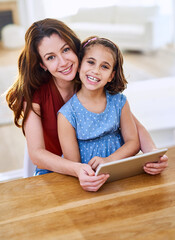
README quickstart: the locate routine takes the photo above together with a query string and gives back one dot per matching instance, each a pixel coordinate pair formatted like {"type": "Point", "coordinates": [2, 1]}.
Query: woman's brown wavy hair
{"type": "Point", "coordinates": [30, 74]}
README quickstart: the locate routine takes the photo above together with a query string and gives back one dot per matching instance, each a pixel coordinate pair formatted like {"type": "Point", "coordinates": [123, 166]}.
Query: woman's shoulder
{"type": "Point", "coordinates": [42, 92]}
{"type": "Point", "coordinates": [44, 87]}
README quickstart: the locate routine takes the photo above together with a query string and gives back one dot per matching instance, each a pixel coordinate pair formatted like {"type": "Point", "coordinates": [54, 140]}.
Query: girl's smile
{"type": "Point", "coordinates": [96, 69]}
{"type": "Point", "coordinates": [92, 79]}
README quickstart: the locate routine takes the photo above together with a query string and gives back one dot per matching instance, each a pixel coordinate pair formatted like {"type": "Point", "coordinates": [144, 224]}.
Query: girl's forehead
{"type": "Point", "coordinates": [99, 50]}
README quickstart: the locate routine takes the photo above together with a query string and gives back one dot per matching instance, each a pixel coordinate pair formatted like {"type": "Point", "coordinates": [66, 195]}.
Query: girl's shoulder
{"type": "Point", "coordinates": [69, 105]}
{"type": "Point", "coordinates": [116, 97]}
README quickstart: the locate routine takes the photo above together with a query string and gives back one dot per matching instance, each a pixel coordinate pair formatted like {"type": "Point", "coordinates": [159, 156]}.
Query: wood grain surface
{"type": "Point", "coordinates": [54, 206]}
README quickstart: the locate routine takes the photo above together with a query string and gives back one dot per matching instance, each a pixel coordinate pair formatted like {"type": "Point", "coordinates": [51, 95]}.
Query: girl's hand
{"type": "Point", "coordinates": [95, 161]}
{"type": "Point", "coordinates": [156, 168]}
{"type": "Point", "coordinates": [88, 180]}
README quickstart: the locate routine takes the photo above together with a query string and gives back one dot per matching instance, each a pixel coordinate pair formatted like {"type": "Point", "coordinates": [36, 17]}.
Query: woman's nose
{"type": "Point", "coordinates": [61, 60]}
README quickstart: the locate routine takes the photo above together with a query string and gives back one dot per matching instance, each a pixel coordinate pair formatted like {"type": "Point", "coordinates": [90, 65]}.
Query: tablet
{"type": "Point", "coordinates": [130, 166]}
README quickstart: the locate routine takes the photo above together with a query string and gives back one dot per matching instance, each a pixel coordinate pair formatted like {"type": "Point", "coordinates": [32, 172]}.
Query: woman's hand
{"type": "Point", "coordinates": [88, 180]}
{"type": "Point", "coordinates": [95, 162]}
{"type": "Point", "coordinates": [156, 168]}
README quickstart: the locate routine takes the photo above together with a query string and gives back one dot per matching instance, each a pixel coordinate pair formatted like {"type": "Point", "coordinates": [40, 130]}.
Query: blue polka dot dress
{"type": "Point", "coordinates": [98, 134]}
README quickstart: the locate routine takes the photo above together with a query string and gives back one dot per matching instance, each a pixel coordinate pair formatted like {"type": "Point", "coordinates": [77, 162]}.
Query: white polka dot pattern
{"type": "Point", "coordinates": [98, 134]}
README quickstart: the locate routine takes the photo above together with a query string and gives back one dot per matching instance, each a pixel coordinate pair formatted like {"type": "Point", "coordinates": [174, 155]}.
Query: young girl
{"type": "Point", "coordinates": [98, 115]}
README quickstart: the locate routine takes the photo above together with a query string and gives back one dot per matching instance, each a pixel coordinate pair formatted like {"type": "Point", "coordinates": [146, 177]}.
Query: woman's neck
{"type": "Point", "coordinates": [66, 88]}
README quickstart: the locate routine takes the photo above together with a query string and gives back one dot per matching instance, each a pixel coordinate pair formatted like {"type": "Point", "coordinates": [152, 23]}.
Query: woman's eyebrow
{"type": "Point", "coordinates": [50, 53]}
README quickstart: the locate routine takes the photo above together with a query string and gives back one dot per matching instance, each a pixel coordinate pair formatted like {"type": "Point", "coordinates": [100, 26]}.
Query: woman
{"type": "Point", "coordinates": [47, 72]}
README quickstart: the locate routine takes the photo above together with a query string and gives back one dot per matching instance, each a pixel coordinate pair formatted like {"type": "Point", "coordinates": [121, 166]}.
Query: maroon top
{"type": "Point", "coordinates": [50, 101]}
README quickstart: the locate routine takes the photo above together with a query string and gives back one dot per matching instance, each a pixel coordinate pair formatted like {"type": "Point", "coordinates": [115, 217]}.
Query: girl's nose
{"type": "Point", "coordinates": [96, 69]}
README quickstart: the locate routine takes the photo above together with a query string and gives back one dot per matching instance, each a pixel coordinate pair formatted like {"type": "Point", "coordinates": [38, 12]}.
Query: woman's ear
{"type": "Point", "coordinates": [43, 67]}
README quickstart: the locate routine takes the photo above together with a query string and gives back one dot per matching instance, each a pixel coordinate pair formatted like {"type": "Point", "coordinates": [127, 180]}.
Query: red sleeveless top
{"type": "Point", "coordinates": [50, 101]}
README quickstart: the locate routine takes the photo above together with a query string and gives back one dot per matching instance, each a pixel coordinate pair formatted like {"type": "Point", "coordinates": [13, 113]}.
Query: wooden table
{"type": "Point", "coordinates": [54, 206]}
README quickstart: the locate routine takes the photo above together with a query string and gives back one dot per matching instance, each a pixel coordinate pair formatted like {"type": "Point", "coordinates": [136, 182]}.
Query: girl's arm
{"type": "Point", "coordinates": [47, 160]}
{"type": "Point", "coordinates": [68, 139]}
{"type": "Point", "coordinates": [130, 136]}
{"type": "Point", "coordinates": [131, 144]}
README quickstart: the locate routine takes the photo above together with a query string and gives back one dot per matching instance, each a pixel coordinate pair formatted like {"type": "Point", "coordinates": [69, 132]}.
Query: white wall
{"type": "Point", "coordinates": [33, 10]}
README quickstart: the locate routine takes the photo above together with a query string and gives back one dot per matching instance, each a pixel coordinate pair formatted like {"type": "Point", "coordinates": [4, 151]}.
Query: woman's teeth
{"type": "Point", "coordinates": [66, 70]}
{"type": "Point", "coordinates": [92, 79]}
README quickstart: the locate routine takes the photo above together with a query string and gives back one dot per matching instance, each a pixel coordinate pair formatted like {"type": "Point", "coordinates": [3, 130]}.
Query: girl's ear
{"type": "Point", "coordinates": [41, 65]}
{"type": "Point", "coordinates": [112, 76]}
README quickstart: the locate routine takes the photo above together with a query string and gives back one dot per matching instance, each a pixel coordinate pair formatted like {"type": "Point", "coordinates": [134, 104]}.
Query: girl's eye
{"type": "Point", "coordinates": [66, 49]}
{"type": "Point", "coordinates": [105, 67]}
{"type": "Point", "coordinates": [90, 62]}
{"type": "Point", "coordinates": [50, 58]}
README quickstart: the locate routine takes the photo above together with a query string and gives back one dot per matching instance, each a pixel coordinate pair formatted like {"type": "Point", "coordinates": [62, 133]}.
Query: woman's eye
{"type": "Point", "coordinates": [50, 58]}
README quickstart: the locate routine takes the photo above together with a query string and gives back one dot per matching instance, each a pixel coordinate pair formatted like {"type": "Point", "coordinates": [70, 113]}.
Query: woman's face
{"type": "Point", "coordinates": [58, 58]}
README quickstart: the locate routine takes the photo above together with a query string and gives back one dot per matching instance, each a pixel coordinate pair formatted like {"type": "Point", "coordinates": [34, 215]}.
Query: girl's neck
{"type": "Point", "coordinates": [66, 88]}
{"type": "Point", "coordinates": [94, 101]}
{"type": "Point", "coordinates": [95, 95]}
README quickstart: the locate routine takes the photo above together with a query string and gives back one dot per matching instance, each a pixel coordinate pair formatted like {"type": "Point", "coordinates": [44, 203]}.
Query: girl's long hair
{"type": "Point", "coordinates": [30, 74]}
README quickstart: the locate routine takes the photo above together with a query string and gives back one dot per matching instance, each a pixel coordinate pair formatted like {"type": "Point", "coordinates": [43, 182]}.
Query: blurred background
{"type": "Point", "coordinates": [143, 29]}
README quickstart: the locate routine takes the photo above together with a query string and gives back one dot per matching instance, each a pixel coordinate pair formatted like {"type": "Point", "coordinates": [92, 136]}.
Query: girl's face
{"type": "Point", "coordinates": [58, 58]}
{"type": "Point", "coordinates": [96, 68]}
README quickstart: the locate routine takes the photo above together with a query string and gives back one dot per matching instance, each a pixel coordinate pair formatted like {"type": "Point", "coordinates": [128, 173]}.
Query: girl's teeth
{"type": "Point", "coordinates": [93, 79]}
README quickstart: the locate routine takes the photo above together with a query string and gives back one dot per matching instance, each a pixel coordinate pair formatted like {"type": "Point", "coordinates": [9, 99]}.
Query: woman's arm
{"type": "Point", "coordinates": [147, 145]}
{"type": "Point", "coordinates": [146, 142]}
{"type": "Point", "coordinates": [36, 147]}
{"type": "Point", "coordinates": [47, 160]}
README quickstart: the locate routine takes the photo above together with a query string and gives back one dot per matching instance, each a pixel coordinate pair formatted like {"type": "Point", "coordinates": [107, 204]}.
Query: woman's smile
{"type": "Point", "coordinates": [67, 70]}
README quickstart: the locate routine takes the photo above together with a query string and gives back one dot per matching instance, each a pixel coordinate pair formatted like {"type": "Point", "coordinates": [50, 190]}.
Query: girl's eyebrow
{"type": "Point", "coordinates": [91, 58]}
{"type": "Point", "coordinates": [50, 53]}
{"type": "Point", "coordinates": [104, 62]}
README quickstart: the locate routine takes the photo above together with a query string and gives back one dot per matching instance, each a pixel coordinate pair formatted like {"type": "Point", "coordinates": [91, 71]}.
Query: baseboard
{"type": "Point", "coordinates": [11, 175]}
